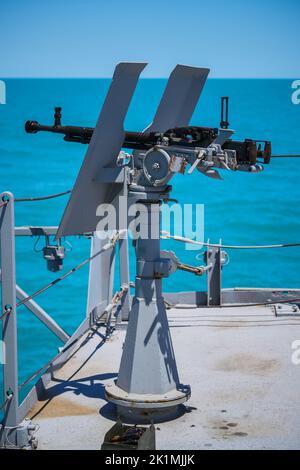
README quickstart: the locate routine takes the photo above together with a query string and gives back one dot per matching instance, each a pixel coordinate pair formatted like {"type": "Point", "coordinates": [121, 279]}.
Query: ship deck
{"type": "Point", "coordinates": [238, 361]}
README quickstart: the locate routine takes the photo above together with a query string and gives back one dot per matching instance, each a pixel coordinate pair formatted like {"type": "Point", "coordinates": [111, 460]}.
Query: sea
{"type": "Point", "coordinates": [240, 209]}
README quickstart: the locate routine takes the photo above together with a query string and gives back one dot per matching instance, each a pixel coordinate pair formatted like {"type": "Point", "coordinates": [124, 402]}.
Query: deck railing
{"type": "Point", "coordinates": [14, 431]}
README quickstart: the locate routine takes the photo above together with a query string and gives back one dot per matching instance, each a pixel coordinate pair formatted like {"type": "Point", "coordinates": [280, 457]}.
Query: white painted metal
{"type": "Point", "coordinates": [101, 277]}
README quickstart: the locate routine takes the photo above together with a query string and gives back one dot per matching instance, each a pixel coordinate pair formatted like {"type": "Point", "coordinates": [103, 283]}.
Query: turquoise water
{"type": "Point", "coordinates": [241, 209]}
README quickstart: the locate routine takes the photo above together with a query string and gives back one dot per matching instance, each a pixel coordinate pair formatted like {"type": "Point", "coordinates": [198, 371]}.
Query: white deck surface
{"type": "Point", "coordinates": [245, 388]}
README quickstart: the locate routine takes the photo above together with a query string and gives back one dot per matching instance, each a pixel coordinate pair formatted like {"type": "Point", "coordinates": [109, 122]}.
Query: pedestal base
{"type": "Point", "coordinates": [146, 408]}
{"type": "Point", "coordinates": [148, 386]}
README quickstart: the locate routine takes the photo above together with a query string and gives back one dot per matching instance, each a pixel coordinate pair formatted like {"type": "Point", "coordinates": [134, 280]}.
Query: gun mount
{"type": "Point", "coordinates": [148, 384]}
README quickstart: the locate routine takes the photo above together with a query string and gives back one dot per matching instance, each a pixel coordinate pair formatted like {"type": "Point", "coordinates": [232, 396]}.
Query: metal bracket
{"type": "Point", "coordinates": [19, 437]}
{"type": "Point", "coordinates": [286, 310]}
{"type": "Point", "coordinates": [214, 278]}
{"type": "Point", "coordinates": [153, 269]}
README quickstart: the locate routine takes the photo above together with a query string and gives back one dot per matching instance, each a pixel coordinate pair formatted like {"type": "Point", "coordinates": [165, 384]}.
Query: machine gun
{"type": "Point", "coordinates": [183, 142]}
{"type": "Point", "coordinates": [190, 136]}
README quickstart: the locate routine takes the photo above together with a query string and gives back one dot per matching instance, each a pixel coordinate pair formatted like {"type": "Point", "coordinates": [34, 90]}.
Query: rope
{"type": "Point", "coordinates": [5, 402]}
{"type": "Point", "coordinates": [119, 294]}
{"type": "Point", "coordinates": [71, 271]}
{"type": "Point", "coordinates": [10, 396]}
{"type": "Point", "coordinates": [3, 203]}
{"type": "Point", "coordinates": [167, 235]}
{"type": "Point", "coordinates": [42, 198]}
{"type": "Point", "coordinates": [6, 312]}
{"type": "Point", "coordinates": [4, 315]}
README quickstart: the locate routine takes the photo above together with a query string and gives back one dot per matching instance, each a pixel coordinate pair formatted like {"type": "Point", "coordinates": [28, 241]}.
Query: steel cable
{"type": "Point", "coordinates": [41, 198]}
{"type": "Point", "coordinates": [167, 235]}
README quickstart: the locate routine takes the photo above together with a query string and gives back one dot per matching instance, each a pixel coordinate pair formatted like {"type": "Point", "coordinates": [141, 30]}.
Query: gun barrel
{"type": "Point", "coordinates": [84, 134]}
{"type": "Point", "coordinates": [72, 133]}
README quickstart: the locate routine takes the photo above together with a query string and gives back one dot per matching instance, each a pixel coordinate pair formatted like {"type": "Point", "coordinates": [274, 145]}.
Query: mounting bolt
{"type": "Point", "coordinates": [5, 198]}
{"type": "Point", "coordinates": [8, 308]}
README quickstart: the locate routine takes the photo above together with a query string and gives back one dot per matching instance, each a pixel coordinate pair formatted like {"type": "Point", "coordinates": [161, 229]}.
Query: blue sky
{"type": "Point", "coordinates": [72, 38]}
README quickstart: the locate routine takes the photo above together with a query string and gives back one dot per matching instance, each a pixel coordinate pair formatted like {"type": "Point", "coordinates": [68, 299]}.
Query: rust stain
{"type": "Point", "coordinates": [223, 429]}
{"type": "Point", "coordinates": [60, 407]}
{"type": "Point", "coordinates": [236, 395]}
{"type": "Point", "coordinates": [248, 364]}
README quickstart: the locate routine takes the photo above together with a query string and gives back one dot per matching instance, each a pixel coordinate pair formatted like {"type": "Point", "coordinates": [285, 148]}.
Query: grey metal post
{"type": "Point", "coordinates": [8, 303]}
{"type": "Point", "coordinates": [14, 433]}
{"type": "Point", "coordinates": [214, 278]}
{"type": "Point", "coordinates": [148, 385]}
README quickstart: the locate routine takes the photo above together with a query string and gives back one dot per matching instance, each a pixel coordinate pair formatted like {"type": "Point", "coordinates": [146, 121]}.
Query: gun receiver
{"type": "Point", "coordinates": [249, 150]}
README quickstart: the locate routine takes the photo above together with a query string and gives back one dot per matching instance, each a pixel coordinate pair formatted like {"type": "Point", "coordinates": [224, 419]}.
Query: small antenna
{"type": "Point", "coordinates": [224, 124]}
